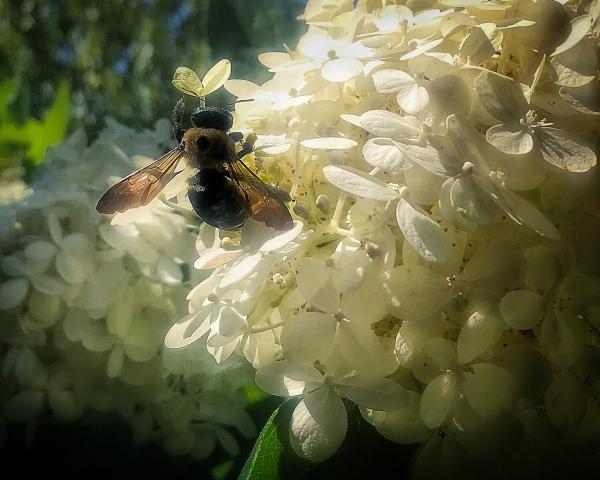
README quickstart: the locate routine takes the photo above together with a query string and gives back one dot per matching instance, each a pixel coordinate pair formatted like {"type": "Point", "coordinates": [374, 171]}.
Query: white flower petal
{"type": "Point", "coordinates": [436, 356]}
{"type": "Point", "coordinates": [241, 88]}
{"type": "Point", "coordinates": [308, 337]}
{"type": "Point", "coordinates": [579, 28]}
{"type": "Point", "coordinates": [229, 322]}
{"type": "Point", "coordinates": [513, 138]}
{"type": "Point", "coordinates": [528, 214]}
{"type": "Point", "coordinates": [241, 270]}
{"type": "Point", "coordinates": [382, 123]}
{"type": "Point", "coordinates": [390, 81]}
{"type": "Point", "coordinates": [426, 157]}
{"type": "Point", "coordinates": [476, 47]}
{"type": "Point", "coordinates": [463, 204]}
{"type": "Point", "coordinates": [358, 183]}
{"type": "Point", "coordinates": [189, 329]}
{"type": "Point", "coordinates": [314, 281]}
{"type": "Point", "coordinates": [47, 284]}
{"type": "Point", "coordinates": [318, 425]}
{"type": "Point", "coordinates": [383, 394]}
{"type": "Point", "coordinates": [489, 389]}
{"type": "Point", "coordinates": [169, 271]}
{"type": "Point", "coordinates": [280, 241]}
{"type": "Point", "coordinates": [341, 69]}
{"type": "Point", "coordinates": [562, 336]}
{"type": "Point", "coordinates": [412, 99]}
{"type": "Point", "coordinates": [217, 257]}
{"type": "Point", "coordinates": [501, 96]}
{"type": "Point", "coordinates": [403, 425]}
{"type": "Point", "coordinates": [13, 292]}
{"type": "Point", "coordinates": [558, 149]}
{"type": "Point", "coordinates": [439, 398]}
{"type": "Point", "coordinates": [329, 143]}
{"type": "Point", "coordinates": [64, 404]}
{"type": "Point", "coordinates": [522, 309]}
{"type": "Point", "coordinates": [55, 228]}
{"type": "Point", "coordinates": [416, 292]}
{"type": "Point", "coordinates": [543, 269]}
{"type": "Point", "coordinates": [575, 68]}
{"type": "Point", "coordinates": [288, 379]}
{"type": "Point", "coordinates": [584, 99]}
{"type": "Point", "coordinates": [383, 153]}
{"type": "Point", "coordinates": [40, 250]}
{"type": "Point", "coordinates": [450, 94]}
{"type": "Point", "coordinates": [216, 76]}
{"type": "Point", "coordinates": [422, 232]}
{"type": "Point", "coordinates": [422, 48]}
{"type": "Point", "coordinates": [115, 361]}
{"type": "Point", "coordinates": [479, 334]}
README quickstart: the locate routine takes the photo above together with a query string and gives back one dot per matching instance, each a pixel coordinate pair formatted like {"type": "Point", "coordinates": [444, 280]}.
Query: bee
{"type": "Point", "coordinates": [224, 193]}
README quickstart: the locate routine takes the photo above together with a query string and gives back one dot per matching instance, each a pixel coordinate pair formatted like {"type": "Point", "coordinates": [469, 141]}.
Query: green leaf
{"type": "Point", "coordinates": [37, 135]}
{"type": "Point", "coordinates": [264, 460]}
{"type": "Point", "coordinates": [53, 128]}
{"type": "Point", "coordinates": [272, 457]}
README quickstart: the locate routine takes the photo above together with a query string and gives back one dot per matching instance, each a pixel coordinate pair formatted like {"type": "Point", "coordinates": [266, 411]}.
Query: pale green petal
{"type": "Point", "coordinates": [416, 292]}
{"type": "Point", "coordinates": [489, 389]}
{"type": "Point", "coordinates": [187, 81]}
{"type": "Point", "coordinates": [437, 356]}
{"type": "Point", "coordinates": [439, 398]}
{"type": "Point", "coordinates": [501, 96]}
{"type": "Point", "coordinates": [510, 138]}
{"type": "Point", "coordinates": [404, 425]}
{"type": "Point", "coordinates": [216, 77]}
{"type": "Point", "coordinates": [560, 150]}
{"type": "Point", "coordinates": [523, 309]}
{"type": "Point", "coordinates": [479, 334]}
{"type": "Point", "coordinates": [13, 292]}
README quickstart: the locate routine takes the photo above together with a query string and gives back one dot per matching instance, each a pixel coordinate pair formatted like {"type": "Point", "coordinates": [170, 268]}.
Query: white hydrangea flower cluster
{"type": "Point", "coordinates": [442, 273]}
{"type": "Point", "coordinates": [85, 305]}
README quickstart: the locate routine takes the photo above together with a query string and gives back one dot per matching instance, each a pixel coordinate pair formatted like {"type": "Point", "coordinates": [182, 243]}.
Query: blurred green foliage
{"type": "Point", "coordinates": [33, 136]}
{"type": "Point", "coordinates": [116, 58]}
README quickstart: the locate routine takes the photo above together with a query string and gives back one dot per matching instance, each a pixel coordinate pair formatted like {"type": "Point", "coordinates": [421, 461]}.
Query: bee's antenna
{"type": "Point", "coordinates": [238, 101]}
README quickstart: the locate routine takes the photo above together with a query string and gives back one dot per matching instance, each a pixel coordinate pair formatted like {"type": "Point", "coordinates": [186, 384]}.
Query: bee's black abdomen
{"type": "Point", "coordinates": [216, 200]}
{"type": "Point", "coordinates": [212, 117]}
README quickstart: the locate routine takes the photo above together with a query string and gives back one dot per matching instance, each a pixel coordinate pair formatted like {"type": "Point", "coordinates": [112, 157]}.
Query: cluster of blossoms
{"type": "Point", "coordinates": [442, 272]}
{"type": "Point", "coordinates": [85, 305]}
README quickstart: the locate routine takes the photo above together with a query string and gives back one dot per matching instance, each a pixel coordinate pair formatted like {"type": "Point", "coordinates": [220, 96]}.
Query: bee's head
{"type": "Point", "coordinates": [212, 117]}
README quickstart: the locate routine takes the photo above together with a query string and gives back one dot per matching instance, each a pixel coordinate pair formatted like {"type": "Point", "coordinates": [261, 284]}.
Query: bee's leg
{"type": "Point", "coordinates": [236, 136]}
{"type": "Point", "coordinates": [177, 120]}
{"type": "Point", "coordinates": [247, 146]}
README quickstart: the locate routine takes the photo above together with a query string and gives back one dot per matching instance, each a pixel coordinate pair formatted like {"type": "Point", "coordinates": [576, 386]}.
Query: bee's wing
{"type": "Point", "coordinates": [262, 202]}
{"type": "Point", "coordinates": [141, 186]}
